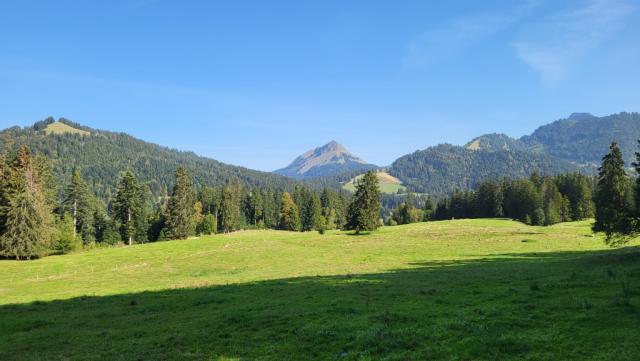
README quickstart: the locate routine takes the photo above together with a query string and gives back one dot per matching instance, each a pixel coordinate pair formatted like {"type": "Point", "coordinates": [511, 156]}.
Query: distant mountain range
{"type": "Point", "coordinates": [576, 143]}
{"type": "Point", "coordinates": [581, 138]}
{"type": "Point", "coordinates": [328, 160]}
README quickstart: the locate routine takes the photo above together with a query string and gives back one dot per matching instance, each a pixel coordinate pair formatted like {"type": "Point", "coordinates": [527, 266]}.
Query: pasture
{"type": "Point", "coordinates": [459, 290]}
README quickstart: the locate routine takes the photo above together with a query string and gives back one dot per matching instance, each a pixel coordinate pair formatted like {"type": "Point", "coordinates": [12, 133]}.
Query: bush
{"type": "Point", "coordinates": [208, 225]}
{"type": "Point", "coordinates": [65, 240]}
{"type": "Point", "coordinates": [111, 236]}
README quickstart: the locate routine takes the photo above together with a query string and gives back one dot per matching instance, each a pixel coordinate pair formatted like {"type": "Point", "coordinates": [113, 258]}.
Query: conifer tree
{"type": "Point", "coordinates": [180, 209]}
{"type": "Point", "coordinates": [128, 209]}
{"type": "Point", "coordinates": [311, 214]}
{"type": "Point", "coordinates": [289, 214]}
{"type": "Point", "coordinates": [611, 198]}
{"type": "Point", "coordinates": [230, 214]}
{"type": "Point", "coordinates": [79, 203]}
{"type": "Point", "coordinates": [364, 210]}
{"type": "Point", "coordinates": [27, 209]}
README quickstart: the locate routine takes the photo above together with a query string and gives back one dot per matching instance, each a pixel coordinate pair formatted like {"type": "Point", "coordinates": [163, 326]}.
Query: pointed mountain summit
{"type": "Point", "coordinates": [329, 159]}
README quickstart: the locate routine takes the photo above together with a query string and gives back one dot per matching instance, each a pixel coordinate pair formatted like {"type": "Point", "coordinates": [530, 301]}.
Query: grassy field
{"type": "Point", "coordinates": [61, 128]}
{"type": "Point", "coordinates": [388, 184]}
{"type": "Point", "coordinates": [459, 290]}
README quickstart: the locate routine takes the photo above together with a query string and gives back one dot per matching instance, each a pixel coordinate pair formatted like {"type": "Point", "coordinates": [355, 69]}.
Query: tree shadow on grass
{"type": "Point", "coordinates": [531, 306]}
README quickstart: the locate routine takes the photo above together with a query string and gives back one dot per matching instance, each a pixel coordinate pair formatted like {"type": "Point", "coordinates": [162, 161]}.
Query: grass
{"type": "Point", "coordinates": [388, 184]}
{"type": "Point", "coordinates": [461, 290]}
{"type": "Point", "coordinates": [61, 128]}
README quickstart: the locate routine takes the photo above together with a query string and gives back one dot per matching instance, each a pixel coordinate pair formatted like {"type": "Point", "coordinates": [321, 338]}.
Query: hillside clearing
{"type": "Point", "coordinates": [61, 128]}
{"type": "Point", "coordinates": [388, 184]}
{"type": "Point", "coordinates": [466, 289]}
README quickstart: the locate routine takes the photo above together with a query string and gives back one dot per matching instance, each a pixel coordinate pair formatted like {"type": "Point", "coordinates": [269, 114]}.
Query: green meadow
{"type": "Point", "coordinates": [453, 290]}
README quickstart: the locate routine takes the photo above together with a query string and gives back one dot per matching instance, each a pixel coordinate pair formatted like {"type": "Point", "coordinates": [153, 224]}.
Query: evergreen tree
{"type": "Point", "coordinates": [311, 212]}
{"type": "Point", "coordinates": [364, 210]}
{"type": "Point", "coordinates": [79, 203]}
{"type": "Point", "coordinates": [611, 198]}
{"type": "Point", "coordinates": [230, 214]}
{"type": "Point", "coordinates": [128, 209]}
{"type": "Point", "coordinates": [180, 222]}
{"type": "Point", "coordinates": [489, 198]}
{"type": "Point", "coordinates": [289, 214]}
{"type": "Point", "coordinates": [27, 209]}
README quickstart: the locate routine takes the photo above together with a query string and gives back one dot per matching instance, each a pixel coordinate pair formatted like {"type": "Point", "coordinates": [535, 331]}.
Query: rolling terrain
{"type": "Point", "coordinates": [466, 289]}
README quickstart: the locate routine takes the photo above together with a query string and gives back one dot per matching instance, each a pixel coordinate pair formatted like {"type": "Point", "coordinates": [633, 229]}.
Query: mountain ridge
{"type": "Point", "coordinates": [327, 160]}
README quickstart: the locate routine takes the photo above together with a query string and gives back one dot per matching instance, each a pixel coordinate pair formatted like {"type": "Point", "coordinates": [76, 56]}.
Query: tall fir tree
{"type": "Point", "coordinates": [613, 209]}
{"type": "Point", "coordinates": [27, 209]}
{"type": "Point", "coordinates": [128, 209]}
{"type": "Point", "coordinates": [364, 210]}
{"type": "Point", "coordinates": [78, 202]}
{"type": "Point", "coordinates": [311, 214]}
{"type": "Point", "coordinates": [230, 212]}
{"type": "Point", "coordinates": [180, 222]}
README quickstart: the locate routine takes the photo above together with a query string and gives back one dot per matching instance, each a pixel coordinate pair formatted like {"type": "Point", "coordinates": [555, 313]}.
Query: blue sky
{"type": "Point", "coordinates": [255, 83]}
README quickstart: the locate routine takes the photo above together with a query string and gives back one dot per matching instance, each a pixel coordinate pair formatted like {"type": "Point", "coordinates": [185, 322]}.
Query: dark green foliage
{"type": "Point", "coordinates": [26, 212]}
{"type": "Point", "coordinates": [407, 212]}
{"type": "Point", "coordinates": [489, 198]}
{"type": "Point", "coordinates": [65, 239]}
{"type": "Point", "coordinates": [539, 200]}
{"type": "Point", "coordinates": [583, 138]}
{"type": "Point", "coordinates": [364, 209]}
{"type": "Point", "coordinates": [79, 203]}
{"type": "Point", "coordinates": [230, 208]}
{"type": "Point", "coordinates": [443, 169]}
{"type": "Point", "coordinates": [289, 214]}
{"type": "Point", "coordinates": [613, 206]}
{"type": "Point", "coordinates": [208, 225]}
{"type": "Point", "coordinates": [129, 210]}
{"type": "Point", "coordinates": [181, 213]}
{"type": "Point", "coordinates": [311, 212]}
{"type": "Point", "coordinates": [103, 155]}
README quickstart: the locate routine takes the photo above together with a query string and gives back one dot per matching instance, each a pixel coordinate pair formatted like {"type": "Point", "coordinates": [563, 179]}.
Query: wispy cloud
{"type": "Point", "coordinates": [552, 46]}
{"type": "Point", "coordinates": [453, 36]}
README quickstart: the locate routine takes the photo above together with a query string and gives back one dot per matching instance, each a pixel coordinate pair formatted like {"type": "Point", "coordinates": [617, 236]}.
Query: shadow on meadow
{"type": "Point", "coordinates": [573, 305]}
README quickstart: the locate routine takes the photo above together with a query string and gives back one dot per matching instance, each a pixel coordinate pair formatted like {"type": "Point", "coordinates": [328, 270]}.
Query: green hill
{"type": "Point", "coordinates": [445, 168]}
{"type": "Point", "coordinates": [102, 156]}
{"type": "Point", "coordinates": [467, 290]}
{"type": "Point", "coordinates": [584, 138]}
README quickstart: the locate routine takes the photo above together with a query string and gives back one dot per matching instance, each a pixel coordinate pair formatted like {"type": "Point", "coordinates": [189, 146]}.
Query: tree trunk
{"type": "Point", "coordinates": [129, 222]}
{"type": "Point", "coordinates": [75, 217]}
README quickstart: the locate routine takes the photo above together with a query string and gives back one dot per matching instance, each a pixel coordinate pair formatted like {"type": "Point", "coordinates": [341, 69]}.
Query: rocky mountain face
{"type": "Point", "coordinates": [327, 160]}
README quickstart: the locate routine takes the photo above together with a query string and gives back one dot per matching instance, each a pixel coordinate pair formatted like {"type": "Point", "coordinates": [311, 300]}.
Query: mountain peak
{"type": "Point", "coordinates": [329, 159]}
{"type": "Point", "coordinates": [580, 116]}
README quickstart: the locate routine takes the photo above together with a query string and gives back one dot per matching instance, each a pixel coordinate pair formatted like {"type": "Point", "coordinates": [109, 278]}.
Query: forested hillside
{"type": "Point", "coordinates": [102, 156]}
{"type": "Point", "coordinates": [445, 168]}
{"type": "Point", "coordinates": [584, 138]}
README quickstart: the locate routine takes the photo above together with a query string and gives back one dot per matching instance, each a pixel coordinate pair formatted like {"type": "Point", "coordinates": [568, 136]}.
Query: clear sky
{"type": "Point", "coordinates": [255, 83]}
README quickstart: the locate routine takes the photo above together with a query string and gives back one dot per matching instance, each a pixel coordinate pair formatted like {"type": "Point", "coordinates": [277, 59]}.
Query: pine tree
{"type": "Point", "coordinates": [27, 209]}
{"type": "Point", "coordinates": [230, 214]}
{"type": "Point", "coordinates": [180, 210]}
{"type": "Point", "coordinates": [611, 198]}
{"type": "Point", "coordinates": [364, 210]}
{"type": "Point", "coordinates": [128, 210]}
{"type": "Point", "coordinates": [289, 214]}
{"type": "Point", "coordinates": [311, 212]}
{"type": "Point", "coordinates": [79, 203]}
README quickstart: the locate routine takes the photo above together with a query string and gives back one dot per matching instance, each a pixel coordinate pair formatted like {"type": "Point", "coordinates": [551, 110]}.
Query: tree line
{"type": "Point", "coordinates": [617, 198]}
{"type": "Point", "coordinates": [36, 219]}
